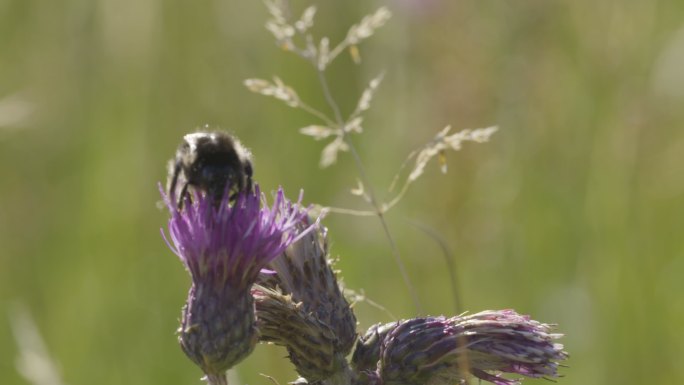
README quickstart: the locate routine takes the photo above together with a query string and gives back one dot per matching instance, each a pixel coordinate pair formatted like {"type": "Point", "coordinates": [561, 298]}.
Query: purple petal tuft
{"type": "Point", "coordinates": [231, 243]}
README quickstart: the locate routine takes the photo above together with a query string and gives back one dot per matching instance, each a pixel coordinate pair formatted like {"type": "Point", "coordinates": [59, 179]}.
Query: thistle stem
{"type": "Point", "coordinates": [220, 379]}
{"type": "Point", "coordinates": [316, 113]}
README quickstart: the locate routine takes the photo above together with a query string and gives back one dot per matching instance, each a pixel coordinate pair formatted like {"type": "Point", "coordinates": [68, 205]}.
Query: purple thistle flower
{"type": "Point", "coordinates": [439, 350]}
{"type": "Point", "coordinates": [231, 244]}
{"type": "Point", "coordinates": [224, 248]}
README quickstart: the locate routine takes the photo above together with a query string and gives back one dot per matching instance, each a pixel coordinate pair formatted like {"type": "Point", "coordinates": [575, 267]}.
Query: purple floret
{"type": "Point", "coordinates": [232, 243]}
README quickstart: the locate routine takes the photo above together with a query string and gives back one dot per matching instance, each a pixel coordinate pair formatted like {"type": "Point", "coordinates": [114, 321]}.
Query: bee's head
{"type": "Point", "coordinates": [215, 171]}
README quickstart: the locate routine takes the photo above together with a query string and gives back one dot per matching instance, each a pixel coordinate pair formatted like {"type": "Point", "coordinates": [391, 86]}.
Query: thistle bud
{"type": "Point", "coordinates": [309, 342]}
{"type": "Point", "coordinates": [304, 273]}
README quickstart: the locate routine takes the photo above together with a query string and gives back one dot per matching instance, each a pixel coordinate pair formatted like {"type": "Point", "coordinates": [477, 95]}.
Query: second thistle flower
{"type": "Point", "coordinates": [444, 351]}
{"type": "Point", "coordinates": [224, 248]}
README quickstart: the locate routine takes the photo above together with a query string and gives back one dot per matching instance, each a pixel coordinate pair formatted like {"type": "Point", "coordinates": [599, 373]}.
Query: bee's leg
{"type": "Point", "coordinates": [217, 193]}
{"type": "Point", "coordinates": [244, 184]}
{"type": "Point", "coordinates": [181, 198]}
{"type": "Point", "coordinates": [248, 173]}
{"type": "Point", "coordinates": [174, 181]}
{"type": "Point", "coordinates": [233, 196]}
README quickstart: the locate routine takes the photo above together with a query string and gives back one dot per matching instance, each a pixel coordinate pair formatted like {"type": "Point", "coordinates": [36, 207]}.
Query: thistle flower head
{"type": "Point", "coordinates": [439, 350]}
{"type": "Point", "coordinates": [231, 243]}
{"type": "Point", "coordinates": [224, 248]}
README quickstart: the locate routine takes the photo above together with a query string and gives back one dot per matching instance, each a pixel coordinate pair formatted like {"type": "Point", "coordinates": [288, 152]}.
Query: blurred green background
{"type": "Point", "coordinates": [573, 213]}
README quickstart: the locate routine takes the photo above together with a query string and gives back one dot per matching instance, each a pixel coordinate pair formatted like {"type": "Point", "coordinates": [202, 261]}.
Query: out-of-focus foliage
{"type": "Point", "coordinates": [572, 212]}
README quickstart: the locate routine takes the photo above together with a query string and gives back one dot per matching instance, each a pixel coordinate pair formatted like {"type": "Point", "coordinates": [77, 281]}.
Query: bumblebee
{"type": "Point", "coordinates": [210, 162]}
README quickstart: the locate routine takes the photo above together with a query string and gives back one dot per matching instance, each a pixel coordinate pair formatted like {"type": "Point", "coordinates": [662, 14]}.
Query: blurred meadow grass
{"type": "Point", "coordinates": [572, 213]}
